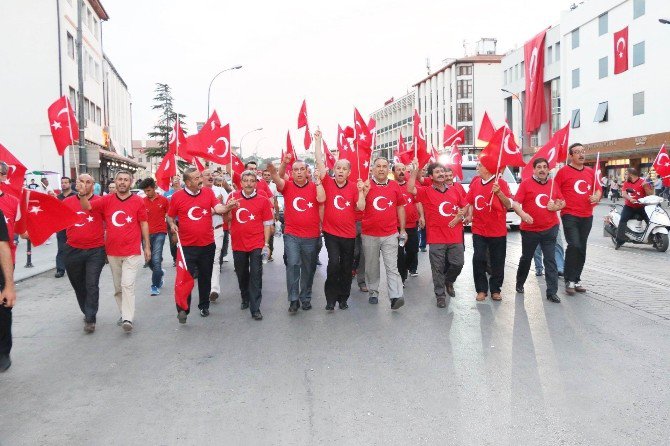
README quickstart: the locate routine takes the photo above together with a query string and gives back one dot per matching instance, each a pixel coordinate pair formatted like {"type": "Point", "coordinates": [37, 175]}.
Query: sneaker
{"type": "Point", "coordinates": [213, 296]}
{"type": "Point", "coordinates": [154, 290]}
{"type": "Point", "coordinates": [413, 274]}
{"type": "Point", "coordinates": [162, 279]}
{"type": "Point", "coordinates": [570, 288]}
{"type": "Point", "coordinates": [204, 312]}
{"type": "Point", "coordinates": [306, 306]}
{"type": "Point", "coordinates": [89, 327]}
{"type": "Point", "coordinates": [181, 316]}
{"type": "Point", "coordinates": [257, 316]}
{"type": "Point", "coordinates": [397, 303]}
{"type": "Point", "coordinates": [423, 249]}
{"type": "Point", "coordinates": [127, 326]}
{"type": "Point", "coordinates": [293, 308]}
{"type": "Point", "coordinates": [554, 298]}
{"type": "Point", "coordinates": [441, 302]}
{"type": "Point", "coordinates": [373, 300]}
{"type": "Point", "coordinates": [519, 289]}
{"type": "Point", "coordinates": [119, 322]}
{"type": "Point", "coordinates": [5, 363]}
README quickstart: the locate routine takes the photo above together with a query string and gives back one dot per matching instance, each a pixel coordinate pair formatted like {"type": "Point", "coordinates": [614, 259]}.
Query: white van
{"type": "Point", "coordinates": [470, 171]}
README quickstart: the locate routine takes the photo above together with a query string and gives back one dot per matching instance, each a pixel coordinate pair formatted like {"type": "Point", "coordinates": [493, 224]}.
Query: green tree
{"type": "Point", "coordinates": [164, 104]}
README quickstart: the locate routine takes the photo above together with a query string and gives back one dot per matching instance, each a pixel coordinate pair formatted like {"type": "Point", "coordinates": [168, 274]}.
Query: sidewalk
{"type": "Point", "coordinates": [43, 259]}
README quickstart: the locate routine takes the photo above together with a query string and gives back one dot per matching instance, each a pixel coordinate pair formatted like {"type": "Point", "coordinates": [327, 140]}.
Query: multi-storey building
{"type": "Point", "coordinates": [393, 118]}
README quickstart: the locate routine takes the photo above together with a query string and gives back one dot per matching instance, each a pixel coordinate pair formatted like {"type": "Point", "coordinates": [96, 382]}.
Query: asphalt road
{"type": "Point", "coordinates": [592, 370]}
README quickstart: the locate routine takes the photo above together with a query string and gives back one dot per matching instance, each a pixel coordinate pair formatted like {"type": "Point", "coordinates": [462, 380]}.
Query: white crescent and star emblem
{"type": "Point", "coordinates": [623, 42]}
{"type": "Point", "coordinates": [212, 150]}
{"type": "Point", "coordinates": [538, 200]}
{"type": "Point", "coordinates": [173, 136]}
{"type": "Point", "coordinates": [476, 202]}
{"type": "Point", "coordinates": [239, 219]}
{"type": "Point", "coordinates": [337, 206]}
{"type": "Point", "coordinates": [421, 134]}
{"type": "Point", "coordinates": [532, 68]}
{"type": "Point", "coordinates": [441, 210]}
{"type": "Point", "coordinates": [296, 200]}
{"type": "Point", "coordinates": [191, 216]}
{"type": "Point", "coordinates": [116, 223]}
{"type": "Point", "coordinates": [56, 125]}
{"type": "Point", "coordinates": [80, 213]}
{"type": "Point", "coordinates": [578, 189]}
{"type": "Point", "coordinates": [375, 203]}
{"type": "Point", "coordinates": [167, 165]}
{"type": "Point", "coordinates": [506, 145]}
{"type": "Point", "coordinates": [552, 154]}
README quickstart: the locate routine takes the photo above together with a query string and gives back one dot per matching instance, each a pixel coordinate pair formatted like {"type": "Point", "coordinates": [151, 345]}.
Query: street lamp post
{"type": "Point", "coordinates": [209, 90]}
{"type": "Point", "coordinates": [242, 139]}
{"type": "Point", "coordinates": [515, 96]}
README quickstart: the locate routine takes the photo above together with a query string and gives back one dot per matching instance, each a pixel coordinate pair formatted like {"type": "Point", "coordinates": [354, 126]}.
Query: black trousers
{"type": "Point", "coordinates": [61, 238]}
{"type": "Point", "coordinates": [408, 255]}
{"type": "Point", "coordinates": [497, 250]}
{"type": "Point", "coordinates": [338, 272]}
{"type": "Point", "coordinates": [249, 270]}
{"type": "Point", "coordinates": [547, 241]}
{"type": "Point", "coordinates": [200, 262]}
{"type": "Point", "coordinates": [628, 213]}
{"type": "Point", "coordinates": [5, 324]}
{"type": "Point", "coordinates": [576, 231]}
{"type": "Point", "coordinates": [272, 243]}
{"type": "Point", "coordinates": [173, 248]}
{"type": "Point", "coordinates": [83, 268]}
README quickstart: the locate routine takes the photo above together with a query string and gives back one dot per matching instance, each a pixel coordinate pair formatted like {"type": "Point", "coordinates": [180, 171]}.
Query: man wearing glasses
{"type": "Point", "coordinates": [577, 183]}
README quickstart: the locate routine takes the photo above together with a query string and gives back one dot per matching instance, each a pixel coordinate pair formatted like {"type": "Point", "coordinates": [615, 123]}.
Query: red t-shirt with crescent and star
{"type": "Point", "coordinates": [638, 192]}
{"type": "Point", "coordinates": [339, 215]}
{"type": "Point", "coordinates": [247, 223]}
{"type": "Point", "coordinates": [576, 186]}
{"type": "Point", "coordinates": [411, 213]}
{"type": "Point", "coordinates": [381, 214]}
{"type": "Point", "coordinates": [533, 197]}
{"type": "Point", "coordinates": [301, 210]}
{"type": "Point", "coordinates": [10, 206]}
{"type": "Point", "coordinates": [122, 222]}
{"type": "Point", "coordinates": [488, 220]}
{"type": "Point", "coordinates": [195, 216]}
{"type": "Point", "coordinates": [439, 209]}
{"type": "Point", "coordinates": [156, 211]}
{"type": "Point", "coordinates": [89, 231]}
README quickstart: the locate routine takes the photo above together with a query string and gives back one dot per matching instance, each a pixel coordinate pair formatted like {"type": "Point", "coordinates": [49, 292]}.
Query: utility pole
{"type": "Point", "coordinates": [83, 165]}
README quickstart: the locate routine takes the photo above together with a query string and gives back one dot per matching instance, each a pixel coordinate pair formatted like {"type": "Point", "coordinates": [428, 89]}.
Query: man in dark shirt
{"type": "Point", "coordinates": [7, 296]}
{"type": "Point", "coordinates": [65, 191]}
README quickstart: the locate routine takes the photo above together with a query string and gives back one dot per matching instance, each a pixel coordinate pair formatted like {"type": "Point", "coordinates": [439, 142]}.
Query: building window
{"type": "Point", "coordinates": [89, 19]}
{"type": "Point", "coordinates": [87, 106]}
{"type": "Point", "coordinates": [575, 78]}
{"type": "Point", "coordinates": [465, 70]}
{"type": "Point", "coordinates": [638, 103]}
{"type": "Point", "coordinates": [575, 38]}
{"type": "Point", "coordinates": [557, 51]}
{"type": "Point", "coordinates": [516, 71]}
{"type": "Point", "coordinates": [95, 28]}
{"type": "Point", "coordinates": [534, 139]}
{"type": "Point", "coordinates": [464, 112]}
{"type": "Point", "coordinates": [638, 8]}
{"type": "Point", "coordinates": [70, 46]}
{"type": "Point", "coordinates": [602, 24]}
{"type": "Point", "coordinates": [602, 67]}
{"type": "Point", "coordinates": [504, 77]}
{"type": "Point", "coordinates": [575, 119]}
{"type": "Point", "coordinates": [467, 135]}
{"type": "Point", "coordinates": [98, 115]}
{"type": "Point", "coordinates": [638, 54]}
{"type": "Point", "coordinates": [464, 89]}
{"type": "Point", "coordinates": [522, 68]}
{"type": "Point", "coordinates": [556, 104]}
{"type": "Point", "coordinates": [73, 99]}
{"type": "Point", "coordinates": [601, 113]}
{"type": "Point", "coordinates": [547, 60]}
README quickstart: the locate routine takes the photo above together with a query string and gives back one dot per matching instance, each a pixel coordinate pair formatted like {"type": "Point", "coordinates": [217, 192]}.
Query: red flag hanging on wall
{"type": "Point", "coordinates": [63, 124]}
{"type": "Point", "coordinates": [16, 172]}
{"type": "Point", "coordinates": [536, 109]}
{"type": "Point", "coordinates": [621, 51]}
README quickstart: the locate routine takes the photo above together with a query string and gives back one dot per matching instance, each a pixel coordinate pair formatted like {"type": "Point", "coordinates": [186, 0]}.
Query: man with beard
{"type": "Point", "coordinates": [538, 206]}
{"type": "Point", "coordinates": [444, 207]}
{"type": "Point", "coordinates": [65, 191]}
{"type": "Point", "coordinates": [408, 254]}
{"type": "Point", "coordinates": [575, 182]}
{"type": "Point", "coordinates": [340, 198]}
{"type": "Point", "coordinates": [632, 190]}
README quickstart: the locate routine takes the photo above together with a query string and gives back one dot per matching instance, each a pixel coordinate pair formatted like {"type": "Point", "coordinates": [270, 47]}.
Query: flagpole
{"type": "Point", "coordinates": [69, 128]}
{"type": "Point", "coordinates": [181, 251]}
{"type": "Point", "coordinates": [500, 149]}
{"type": "Point", "coordinates": [595, 175]}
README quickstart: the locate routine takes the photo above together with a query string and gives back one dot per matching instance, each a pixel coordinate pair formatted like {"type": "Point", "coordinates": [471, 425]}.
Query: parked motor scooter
{"type": "Point", "coordinates": [638, 231]}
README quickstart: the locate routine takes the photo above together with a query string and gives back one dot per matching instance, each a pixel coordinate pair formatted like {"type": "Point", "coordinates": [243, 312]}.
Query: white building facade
{"type": "Point", "coordinates": [395, 117]}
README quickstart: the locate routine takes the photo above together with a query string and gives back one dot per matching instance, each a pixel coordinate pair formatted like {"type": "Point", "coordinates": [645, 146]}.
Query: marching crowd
{"type": "Point", "coordinates": [368, 226]}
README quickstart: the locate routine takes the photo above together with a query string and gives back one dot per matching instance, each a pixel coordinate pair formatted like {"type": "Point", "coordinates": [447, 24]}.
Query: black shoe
{"type": "Point", "coordinates": [293, 308]}
{"type": "Point", "coordinates": [330, 307]}
{"type": "Point", "coordinates": [306, 306]}
{"type": "Point", "coordinates": [560, 274]}
{"type": "Point", "coordinates": [204, 312]}
{"type": "Point", "coordinates": [257, 316]}
{"type": "Point", "coordinates": [181, 316]}
{"type": "Point", "coordinates": [213, 296]}
{"type": "Point", "coordinates": [519, 289]}
{"type": "Point", "coordinates": [5, 363]}
{"type": "Point", "coordinates": [89, 327]}
{"type": "Point", "coordinates": [554, 298]}
{"type": "Point", "coordinates": [450, 289]}
{"type": "Point", "coordinates": [618, 245]}
{"type": "Point", "coordinates": [397, 303]}
{"type": "Point", "coordinates": [59, 274]}
{"type": "Point", "coordinates": [245, 305]}
{"type": "Point", "coordinates": [344, 305]}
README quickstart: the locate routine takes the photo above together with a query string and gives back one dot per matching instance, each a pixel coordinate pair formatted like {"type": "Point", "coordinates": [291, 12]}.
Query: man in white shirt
{"type": "Point", "coordinates": [217, 224]}
{"type": "Point", "coordinates": [275, 207]}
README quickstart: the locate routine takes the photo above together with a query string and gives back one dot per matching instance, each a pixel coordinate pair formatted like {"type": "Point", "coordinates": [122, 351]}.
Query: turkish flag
{"type": "Point", "coordinates": [349, 132]}
{"type": "Point", "coordinates": [536, 109]}
{"type": "Point", "coordinates": [662, 163]}
{"type": "Point", "coordinates": [237, 169]}
{"type": "Point", "coordinates": [486, 129]}
{"type": "Point", "coordinates": [452, 137]}
{"type": "Point", "coordinates": [362, 136]}
{"type": "Point", "coordinates": [308, 138]}
{"type": "Point", "coordinates": [456, 162]}
{"type": "Point", "coordinates": [551, 151]}
{"type": "Point", "coordinates": [402, 146]}
{"type": "Point", "coordinates": [217, 146]}
{"type": "Point", "coordinates": [45, 215]}
{"type": "Point", "coordinates": [183, 282]}
{"type": "Point", "coordinates": [418, 137]}
{"type": "Point", "coordinates": [330, 159]}
{"type": "Point", "coordinates": [166, 170]}
{"type": "Point", "coordinates": [302, 115]}
{"type": "Point", "coordinates": [64, 128]}
{"type": "Point", "coordinates": [360, 160]}
{"type": "Point", "coordinates": [16, 172]}
{"type": "Point", "coordinates": [198, 143]}
{"type": "Point", "coordinates": [621, 51]}
{"type": "Point", "coordinates": [434, 154]}
{"type": "Point", "coordinates": [503, 150]}
{"type": "Point", "coordinates": [343, 146]}
{"type": "Point", "coordinates": [372, 128]}
{"type": "Point", "coordinates": [562, 136]}
{"type": "Point", "coordinates": [178, 143]}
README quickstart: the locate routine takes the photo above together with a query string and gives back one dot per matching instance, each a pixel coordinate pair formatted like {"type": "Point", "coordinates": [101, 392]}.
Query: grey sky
{"type": "Point", "coordinates": [335, 54]}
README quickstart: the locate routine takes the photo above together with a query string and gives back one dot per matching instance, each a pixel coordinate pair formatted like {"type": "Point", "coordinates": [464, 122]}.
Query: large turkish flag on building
{"type": "Point", "coordinates": [536, 109]}
{"type": "Point", "coordinates": [621, 51]}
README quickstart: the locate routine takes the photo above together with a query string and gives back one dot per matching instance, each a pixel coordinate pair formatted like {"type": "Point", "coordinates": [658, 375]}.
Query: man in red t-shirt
{"type": "Point", "coordinates": [408, 255]}
{"type": "Point", "coordinates": [632, 190]}
{"type": "Point", "coordinates": [383, 228]}
{"type": "Point", "coordinates": [193, 206]}
{"type": "Point", "coordinates": [576, 183]}
{"type": "Point", "coordinates": [84, 252]}
{"type": "Point", "coordinates": [302, 230]}
{"type": "Point", "coordinates": [250, 217]}
{"type": "Point", "coordinates": [537, 203]}
{"type": "Point", "coordinates": [340, 198]}
{"type": "Point", "coordinates": [157, 206]}
{"type": "Point", "coordinates": [488, 199]}
{"type": "Point", "coordinates": [126, 231]}
{"type": "Point", "coordinates": [444, 207]}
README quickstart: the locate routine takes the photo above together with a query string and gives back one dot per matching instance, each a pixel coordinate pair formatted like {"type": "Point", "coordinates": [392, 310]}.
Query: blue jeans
{"type": "Point", "coordinates": [301, 256]}
{"type": "Point", "coordinates": [558, 251]}
{"type": "Point", "coordinates": [157, 241]}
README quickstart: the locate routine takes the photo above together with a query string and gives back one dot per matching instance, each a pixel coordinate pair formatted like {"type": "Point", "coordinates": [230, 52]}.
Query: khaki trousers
{"type": "Point", "coordinates": [124, 272]}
